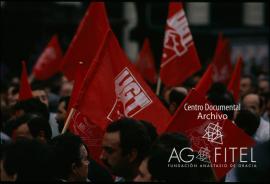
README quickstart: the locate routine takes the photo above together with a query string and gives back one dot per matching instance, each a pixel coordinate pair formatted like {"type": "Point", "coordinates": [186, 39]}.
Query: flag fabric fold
{"type": "Point", "coordinates": [222, 66]}
{"type": "Point", "coordinates": [78, 81]}
{"type": "Point", "coordinates": [90, 132]}
{"type": "Point", "coordinates": [234, 85]}
{"type": "Point", "coordinates": [146, 63]}
{"type": "Point", "coordinates": [82, 50]}
{"type": "Point", "coordinates": [179, 59]}
{"type": "Point", "coordinates": [206, 81]}
{"type": "Point", "coordinates": [87, 40]}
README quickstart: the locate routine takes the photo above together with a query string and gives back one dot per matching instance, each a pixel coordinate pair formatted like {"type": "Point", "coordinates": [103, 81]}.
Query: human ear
{"type": "Point", "coordinates": [74, 169]}
{"type": "Point", "coordinates": [133, 155]}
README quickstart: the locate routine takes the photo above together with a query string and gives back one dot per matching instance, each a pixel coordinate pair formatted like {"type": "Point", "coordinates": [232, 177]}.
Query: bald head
{"type": "Point", "coordinates": [181, 90]}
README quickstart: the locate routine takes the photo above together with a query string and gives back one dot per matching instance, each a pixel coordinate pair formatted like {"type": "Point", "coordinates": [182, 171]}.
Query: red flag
{"type": "Point", "coordinates": [215, 138]}
{"type": "Point", "coordinates": [81, 70]}
{"type": "Point", "coordinates": [87, 40]}
{"type": "Point", "coordinates": [79, 79]}
{"type": "Point", "coordinates": [234, 85]}
{"type": "Point", "coordinates": [113, 89]}
{"type": "Point", "coordinates": [222, 67]}
{"type": "Point", "coordinates": [49, 61]}
{"type": "Point", "coordinates": [146, 63]}
{"type": "Point", "coordinates": [89, 132]}
{"type": "Point", "coordinates": [179, 59]}
{"type": "Point", "coordinates": [25, 88]}
{"type": "Point", "coordinates": [96, 102]}
{"type": "Point", "coordinates": [206, 81]}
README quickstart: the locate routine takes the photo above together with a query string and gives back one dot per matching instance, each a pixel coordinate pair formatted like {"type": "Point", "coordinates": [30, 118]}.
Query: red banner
{"type": "Point", "coordinates": [113, 89]}
{"type": "Point", "coordinates": [49, 61]}
{"type": "Point", "coordinates": [179, 59]}
{"type": "Point", "coordinates": [234, 85]}
{"type": "Point", "coordinates": [87, 40]}
{"type": "Point", "coordinates": [206, 81]}
{"type": "Point", "coordinates": [146, 63]}
{"type": "Point", "coordinates": [222, 66]}
{"type": "Point", "coordinates": [25, 88]}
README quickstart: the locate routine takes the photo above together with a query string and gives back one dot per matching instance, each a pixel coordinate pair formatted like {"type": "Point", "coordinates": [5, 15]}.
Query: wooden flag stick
{"type": "Point", "coordinates": [68, 120]}
{"type": "Point", "coordinates": [158, 86]}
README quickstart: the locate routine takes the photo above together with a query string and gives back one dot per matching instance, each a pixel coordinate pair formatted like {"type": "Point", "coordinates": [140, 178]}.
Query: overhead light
{"type": "Point", "coordinates": [253, 14]}
{"type": "Point", "coordinates": [198, 13]}
{"type": "Point", "coordinates": [77, 4]}
{"type": "Point", "coordinates": [3, 4]}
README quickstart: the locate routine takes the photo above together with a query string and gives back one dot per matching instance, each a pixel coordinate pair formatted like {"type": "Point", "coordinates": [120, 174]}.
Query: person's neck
{"type": "Point", "coordinates": [74, 178]}
{"type": "Point", "coordinates": [131, 173]}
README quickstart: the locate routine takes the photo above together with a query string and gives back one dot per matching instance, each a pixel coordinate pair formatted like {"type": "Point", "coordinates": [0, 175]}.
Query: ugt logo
{"type": "Point", "coordinates": [220, 75]}
{"type": "Point", "coordinates": [177, 37]}
{"type": "Point", "coordinates": [80, 124]}
{"type": "Point", "coordinates": [130, 96]}
{"type": "Point", "coordinates": [88, 131]}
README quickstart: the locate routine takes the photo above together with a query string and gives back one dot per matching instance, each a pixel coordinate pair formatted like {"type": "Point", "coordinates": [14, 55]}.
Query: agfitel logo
{"type": "Point", "coordinates": [213, 134]}
{"type": "Point", "coordinates": [177, 37]}
{"type": "Point", "coordinates": [204, 155]}
{"type": "Point", "coordinates": [130, 96]}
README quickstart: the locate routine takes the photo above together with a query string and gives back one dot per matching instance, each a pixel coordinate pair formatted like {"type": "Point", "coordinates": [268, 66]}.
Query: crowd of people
{"type": "Point", "coordinates": [33, 148]}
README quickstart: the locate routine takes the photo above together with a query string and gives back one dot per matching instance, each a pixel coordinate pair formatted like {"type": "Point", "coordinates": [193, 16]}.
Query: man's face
{"type": "Point", "coordinates": [143, 175]}
{"type": "Point", "coordinates": [12, 98]}
{"type": "Point", "coordinates": [252, 102]}
{"type": "Point", "coordinates": [82, 170]}
{"type": "Point", "coordinates": [245, 86]}
{"type": "Point", "coordinates": [66, 89]}
{"type": "Point", "coordinates": [264, 86]}
{"type": "Point", "coordinates": [42, 96]}
{"type": "Point", "coordinates": [61, 114]}
{"type": "Point", "coordinates": [112, 155]}
{"type": "Point", "coordinates": [22, 131]}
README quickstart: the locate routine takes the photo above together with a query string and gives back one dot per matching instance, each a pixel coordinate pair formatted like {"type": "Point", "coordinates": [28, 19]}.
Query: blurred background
{"type": "Point", "coordinates": [26, 28]}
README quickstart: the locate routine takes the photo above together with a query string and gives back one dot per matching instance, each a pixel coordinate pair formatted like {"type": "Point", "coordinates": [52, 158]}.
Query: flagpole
{"type": "Point", "coordinates": [68, 120]}
{"type": "Point", "coordinates": [158, 86]}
